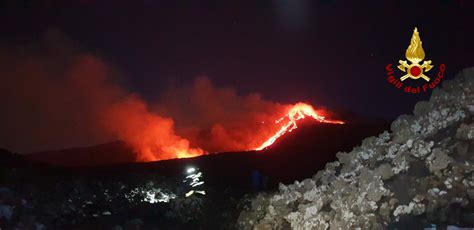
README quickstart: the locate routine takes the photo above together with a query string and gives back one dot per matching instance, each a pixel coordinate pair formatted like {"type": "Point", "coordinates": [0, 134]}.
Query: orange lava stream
{"type": "Point", "coordinates": [297, 112]}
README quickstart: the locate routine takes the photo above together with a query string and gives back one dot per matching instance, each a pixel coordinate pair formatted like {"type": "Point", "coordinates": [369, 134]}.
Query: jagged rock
{"type": "Point", "coordinates": [462, 148]}
{"type": "Point", "coordinates": [344, 158]}
{"type": "Point", "coordinates": [465, 132]}
{"type": "Point", "coordinates": [422, 108]}
{"type": "Point", "coordinates": [422, 169]}
{"type": "Point", "coordinates": [401, 128]}
{"type": "Point", "coordinates": [470, 193]}
{"type": "Point", "coordinates": [385, 171]}
{"type": "Point", "coordinates": [263, 226]}
{"type": "Point", "coordinates": [373, 184]}
{"type": "Point", "coordinates": [414, 208]}
{"type": "Point", "coordinates": [401, 164]}
{"type": "Point", "coordinates": [421, 148]}
{"type": "Point", "coordinates": [438, 160]}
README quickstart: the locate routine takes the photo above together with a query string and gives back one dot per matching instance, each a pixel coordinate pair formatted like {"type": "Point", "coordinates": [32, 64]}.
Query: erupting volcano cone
{"type": "Point", "coordinates": [288, 122]}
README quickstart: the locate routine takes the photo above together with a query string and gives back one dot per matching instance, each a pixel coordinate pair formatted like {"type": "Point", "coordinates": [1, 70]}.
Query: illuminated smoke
{"type": "Point", "coordinates": [151, 135]}
{"type": "Point", "coordinates": [56, 96]}
{"type": "Point", "coordinates": [217, 119]}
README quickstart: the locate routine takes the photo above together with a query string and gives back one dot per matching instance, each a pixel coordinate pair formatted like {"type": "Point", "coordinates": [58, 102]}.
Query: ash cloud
{"type": "Point", "coordinates": [218, 119]}
{"type": "Point", "coordinates": [54, 95]}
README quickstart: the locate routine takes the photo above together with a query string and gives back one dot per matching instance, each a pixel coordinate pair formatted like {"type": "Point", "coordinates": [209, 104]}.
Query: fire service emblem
{"type": "Point", "coordinates": [415, 68]}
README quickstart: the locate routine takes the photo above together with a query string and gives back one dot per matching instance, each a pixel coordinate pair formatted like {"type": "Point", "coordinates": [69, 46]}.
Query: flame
{"type": "Point", "coordinates": [297, 112]}
{"type": "Point", "coordinates": [154, 139]}
{"type": "Point", "coordinates": [151, 136]}
{"type": "Point", "coordinates": [415, 52]}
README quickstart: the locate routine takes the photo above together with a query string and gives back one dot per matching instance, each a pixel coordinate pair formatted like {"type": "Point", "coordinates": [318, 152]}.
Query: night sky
{"type": "Point", "coordinates": [331, 53]}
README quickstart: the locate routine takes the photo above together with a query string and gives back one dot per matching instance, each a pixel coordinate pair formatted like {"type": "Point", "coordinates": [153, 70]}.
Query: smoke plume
{"type": "Point", "coordinates": [54, 95]}
{"type": "Point", "coordinates": [217, 119]}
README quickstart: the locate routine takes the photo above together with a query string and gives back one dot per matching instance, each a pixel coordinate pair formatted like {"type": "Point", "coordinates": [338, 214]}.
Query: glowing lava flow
{"type": "Point", "coordinates": [297, 112]}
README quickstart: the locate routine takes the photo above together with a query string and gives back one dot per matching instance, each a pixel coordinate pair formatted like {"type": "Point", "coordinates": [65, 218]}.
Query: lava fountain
{"type": "Point", "coordinates": [288, 122]}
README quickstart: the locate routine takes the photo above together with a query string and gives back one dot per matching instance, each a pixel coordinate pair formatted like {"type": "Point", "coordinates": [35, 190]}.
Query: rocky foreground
{"type": "Point", "coordinates": [418, 175]}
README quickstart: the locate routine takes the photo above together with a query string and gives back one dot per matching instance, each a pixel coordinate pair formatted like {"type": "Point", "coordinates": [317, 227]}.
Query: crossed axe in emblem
{"type": "Point", "coordinates": [425, 67]}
